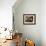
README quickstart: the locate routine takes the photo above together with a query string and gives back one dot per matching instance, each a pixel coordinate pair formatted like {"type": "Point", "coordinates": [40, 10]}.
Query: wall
{"type": "Point", "coordinates": [32, 32]}
{"type": "Point", "coordinates": [43, 22]}
{"type": "Point", "coordinates": [6, 13]}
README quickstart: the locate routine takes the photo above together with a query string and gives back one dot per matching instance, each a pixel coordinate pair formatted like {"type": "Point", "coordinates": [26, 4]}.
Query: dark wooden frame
{"type": "Point", "coordinates": [30, 16]}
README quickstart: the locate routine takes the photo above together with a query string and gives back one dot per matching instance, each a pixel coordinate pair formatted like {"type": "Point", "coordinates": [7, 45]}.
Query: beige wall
{"type": "Point", "coordinates": [6, 13]}
{"type": "Point", "coordinates": [43, 22]}
{"type": "Point", "coordinates": [29, 31]}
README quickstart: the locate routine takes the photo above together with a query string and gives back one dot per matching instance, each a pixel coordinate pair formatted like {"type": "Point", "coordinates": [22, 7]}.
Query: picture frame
{"type": "Point", "coordinates": [13, 22]}
{"type": "Point", "coordinates": [29, 19]}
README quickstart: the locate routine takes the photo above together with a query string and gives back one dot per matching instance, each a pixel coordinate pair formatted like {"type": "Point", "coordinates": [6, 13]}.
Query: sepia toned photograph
{"type": "Point", "coordinates": [29, 19]}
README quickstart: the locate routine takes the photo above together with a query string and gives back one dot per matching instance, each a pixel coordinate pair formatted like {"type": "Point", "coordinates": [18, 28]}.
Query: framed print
{"type": "Point", "coordinates": [13, 22]}
{"type": "Point", "coordinates": [29, 19]}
